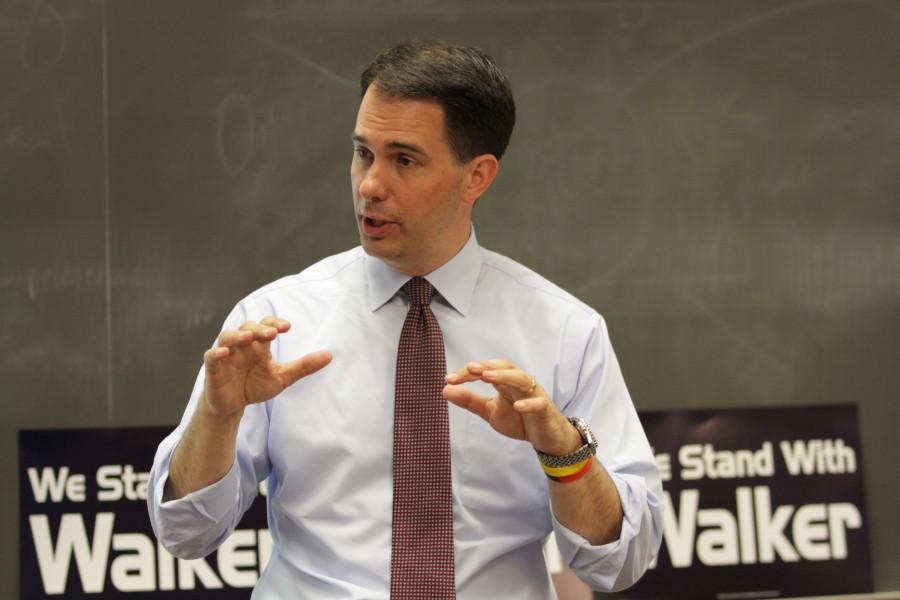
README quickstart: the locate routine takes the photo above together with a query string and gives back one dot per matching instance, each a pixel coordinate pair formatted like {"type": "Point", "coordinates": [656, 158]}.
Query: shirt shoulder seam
{"type": "Point", "coordinates": [543, 285]}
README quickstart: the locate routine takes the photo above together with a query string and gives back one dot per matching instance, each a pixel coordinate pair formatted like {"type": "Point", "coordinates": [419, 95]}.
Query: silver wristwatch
{"type": "Point", "coordinates": [586, 451]}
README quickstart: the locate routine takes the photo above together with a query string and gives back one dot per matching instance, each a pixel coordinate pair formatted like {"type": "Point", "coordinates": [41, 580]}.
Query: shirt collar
{"type": "Point", "coordinates": [454, 280]}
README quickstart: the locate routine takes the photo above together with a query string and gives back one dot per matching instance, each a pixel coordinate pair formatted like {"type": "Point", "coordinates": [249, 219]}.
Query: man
{"type": "Point", "coordinates": [386, 476]}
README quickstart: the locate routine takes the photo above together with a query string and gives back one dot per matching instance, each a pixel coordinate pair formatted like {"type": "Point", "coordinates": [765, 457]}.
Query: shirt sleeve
{"type": "Point", "coordinates": [602, 400]}
{"type": "Point", "coordinates": [196, 524]}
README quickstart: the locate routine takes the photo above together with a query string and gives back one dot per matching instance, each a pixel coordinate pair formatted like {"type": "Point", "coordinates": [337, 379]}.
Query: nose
{"type": "Point", "coordinates": [372, 186]}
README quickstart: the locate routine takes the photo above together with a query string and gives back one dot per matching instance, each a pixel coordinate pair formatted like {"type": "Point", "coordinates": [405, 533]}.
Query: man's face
{"type": "Point", "coordinates": [408, 190]}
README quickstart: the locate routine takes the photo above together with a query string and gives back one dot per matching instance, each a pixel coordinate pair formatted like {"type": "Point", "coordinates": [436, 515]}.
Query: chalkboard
{"type": "Point", "coordinates": [719, 179]}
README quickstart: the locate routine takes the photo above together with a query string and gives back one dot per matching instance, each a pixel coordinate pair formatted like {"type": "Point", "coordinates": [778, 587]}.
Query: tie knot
{"type": "Point", "coordinates": [419, 291]}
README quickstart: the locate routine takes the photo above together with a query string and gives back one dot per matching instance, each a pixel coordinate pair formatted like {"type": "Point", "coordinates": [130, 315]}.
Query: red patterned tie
{"type": "Point", "coordinates": [422, 528]}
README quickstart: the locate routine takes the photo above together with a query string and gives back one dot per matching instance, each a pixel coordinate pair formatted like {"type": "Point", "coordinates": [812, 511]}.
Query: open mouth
{"type": "Point", "coordinates": [376, 227]}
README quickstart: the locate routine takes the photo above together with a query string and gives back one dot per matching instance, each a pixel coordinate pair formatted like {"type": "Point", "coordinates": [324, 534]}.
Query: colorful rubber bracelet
{"type": "Point", "coordinates": [574, 476]}
{"type": "Point", "coordinates": [564, 471]}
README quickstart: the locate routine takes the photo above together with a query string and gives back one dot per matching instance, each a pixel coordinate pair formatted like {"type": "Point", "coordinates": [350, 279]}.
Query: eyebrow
{"type": "Point", "coordinates": [395, 145]}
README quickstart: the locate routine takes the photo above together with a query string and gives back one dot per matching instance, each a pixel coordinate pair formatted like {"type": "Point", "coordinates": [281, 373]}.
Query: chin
{"type": "Point", "coordinates": [374, 246]}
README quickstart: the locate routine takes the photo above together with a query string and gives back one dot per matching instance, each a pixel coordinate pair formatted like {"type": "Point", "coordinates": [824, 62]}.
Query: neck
{"type": "Point", "coordinates": [431, 264]}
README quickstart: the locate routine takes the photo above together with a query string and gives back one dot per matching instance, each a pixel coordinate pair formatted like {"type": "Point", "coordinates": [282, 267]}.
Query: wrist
{"type": "Point", "coordinates": [567, 442]}
{"type": "Point", "coordinates": [569, 474]}
{"type": "Point", "coordinates": [213, 418]}
{"type": "Point", "coordinates": [576, 461]}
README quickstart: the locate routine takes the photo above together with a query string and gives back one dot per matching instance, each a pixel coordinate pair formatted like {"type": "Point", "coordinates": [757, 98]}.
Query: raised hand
{"type": "Point", "coordinates": [521, 409]}
{"type": "Point", "coordinates": [240, 369]}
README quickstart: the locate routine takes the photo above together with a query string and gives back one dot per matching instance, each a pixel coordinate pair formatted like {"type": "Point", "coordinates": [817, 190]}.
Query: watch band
{"type": "Point", "coordinates": [588, 450]}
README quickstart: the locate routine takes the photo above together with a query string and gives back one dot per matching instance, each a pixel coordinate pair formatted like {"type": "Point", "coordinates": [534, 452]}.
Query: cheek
{"type": "Point", "coordinates": [355, 180]}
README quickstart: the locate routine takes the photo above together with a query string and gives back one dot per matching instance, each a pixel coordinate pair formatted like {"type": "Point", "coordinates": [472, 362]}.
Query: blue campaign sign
{"type": "Point", "coordinates": [759, 503]}
{"type": "Point", "coordinates": [85, 533]}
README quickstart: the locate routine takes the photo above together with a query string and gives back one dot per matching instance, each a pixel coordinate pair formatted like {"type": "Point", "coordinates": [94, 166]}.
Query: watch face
{"type": "Point", "coordinates": [586, 434]}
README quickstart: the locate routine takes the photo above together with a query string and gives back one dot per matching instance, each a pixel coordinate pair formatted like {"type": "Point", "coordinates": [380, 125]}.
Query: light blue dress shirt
{"type": "Point", "coordinates": [325, 443]}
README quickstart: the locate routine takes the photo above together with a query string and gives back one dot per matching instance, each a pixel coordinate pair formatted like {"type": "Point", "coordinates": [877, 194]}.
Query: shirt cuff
{"type": "Point", "coordinates": [600, 566]}
{"type": "Point", "coordinates": [184, 519]}
{"type": "Point", "coordinates": [213, 502]}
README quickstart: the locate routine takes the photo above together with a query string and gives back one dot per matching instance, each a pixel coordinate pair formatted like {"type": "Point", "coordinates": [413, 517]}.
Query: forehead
{"type": "Point", "coordinates": [384, 119]}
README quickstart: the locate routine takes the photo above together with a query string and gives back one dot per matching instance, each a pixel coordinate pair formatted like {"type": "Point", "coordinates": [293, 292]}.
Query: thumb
{"type": "Point", "coordinates": [293, 371]}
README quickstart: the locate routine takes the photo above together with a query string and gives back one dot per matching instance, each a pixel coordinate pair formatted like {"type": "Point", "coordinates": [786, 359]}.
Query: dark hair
{"type": "Point", "coordinates": [479, 111]}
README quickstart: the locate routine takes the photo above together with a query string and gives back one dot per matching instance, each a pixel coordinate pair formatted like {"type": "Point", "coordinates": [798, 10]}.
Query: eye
{"type": "Point", "coordinates": [405, 160]}
{"type": "Point", "coordinates": [362, 153]}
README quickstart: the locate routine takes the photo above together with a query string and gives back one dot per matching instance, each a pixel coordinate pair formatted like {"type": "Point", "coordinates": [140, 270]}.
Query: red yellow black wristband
{"type": "Point", "coordinates": [570, 477]}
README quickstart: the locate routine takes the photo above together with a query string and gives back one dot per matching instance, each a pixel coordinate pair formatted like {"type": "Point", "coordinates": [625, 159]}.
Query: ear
{"type": "Point", "coordinates": [480, 173]}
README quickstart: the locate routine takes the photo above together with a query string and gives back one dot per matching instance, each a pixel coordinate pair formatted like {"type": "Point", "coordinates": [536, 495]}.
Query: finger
{"type": "Point", "coordinates": [471, 372]}
{"type": "Point", "coordinates": [261, 333]}
{"type": "Point", "coordinates": [517, 379]}
{"type": "Point", "coordinates": [282, 325]}
{"type": "Point", "coordinates": [232, 337]}
{"type": "Point", "coordinates": [307, 364]}
{"type": "Point", "coordinates": [214, 356]}
{"type": "Point", "coordinates": [507, 393]}
{"type": "Point", "coordinates": [474, 402]}
{"type": "Point", "coordinates": [497, 364]}
{"type": "Point", "coordinates": [535, 405]}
